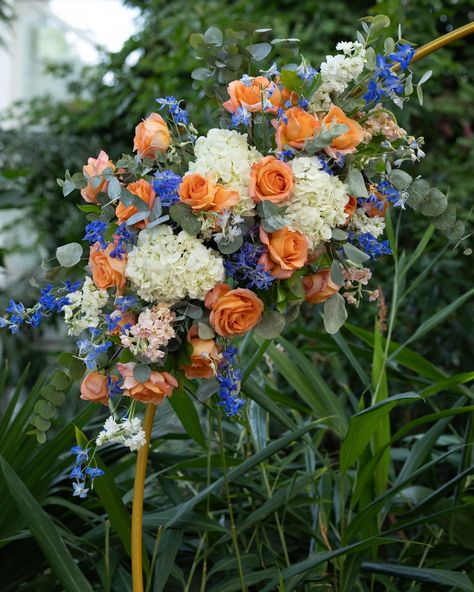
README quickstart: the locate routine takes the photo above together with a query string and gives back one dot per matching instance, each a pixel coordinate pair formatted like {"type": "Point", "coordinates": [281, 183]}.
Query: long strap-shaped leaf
{"type": "Point", "coordinates": [45, 533]}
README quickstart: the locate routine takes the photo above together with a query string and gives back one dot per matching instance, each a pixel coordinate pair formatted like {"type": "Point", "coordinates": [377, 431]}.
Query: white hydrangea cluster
{"type": "Point", "coordinates": [226, 157]}
{"type": "Point", "coordinates": [318, 201]}
{"type": "Point", "coordinates": [361, 223]}
{"type": "Point", "coordinates": [338, 71]}
{"type": "Point", "coordinates": [128, 432]}
{"type": "Point", "coordinates": [165, 267]}
{"type": "Point", "coordinates": [84, 308]}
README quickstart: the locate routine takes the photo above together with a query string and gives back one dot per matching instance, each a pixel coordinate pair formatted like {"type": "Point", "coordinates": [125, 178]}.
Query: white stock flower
{"type": "Point", "coordinates": [167, 268]}
{"type": "Point", "coordinates": [225, 157]}
{"type": "Point", "coordinates": [361, 223]}
{"type": "Point", "coordinates": [337, 72]}
{"type": "Point", "coordinates": [128, 432]}
{"type": "Point", "coordinates": [85, 307]}
{"type": "Point", "coordinates": [318, 201]}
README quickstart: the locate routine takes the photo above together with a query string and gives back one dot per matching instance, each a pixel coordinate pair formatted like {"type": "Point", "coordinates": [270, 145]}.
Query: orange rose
{"type": "Point", "coordinates": [287, 250]}
{"type": "Point", "coordinates": [296, 127]}
{"type": "Point", "coordinates": [204, 357]}
{"type": "Point", "coordinates": [203, 195]}
{"type": "Point", "coordinates": [94, 168]}
{"type": "Point", "coordinates": [319, 286]}
{"type": "Point", "coordinates": [271, 179]}
{"type": "Point", "coordinates": [347, 142]}
{"type": "Point", "coordinates": [288, 96]}
{"type": "Point", "coordinates": [94, 388]}
{"type": "Point", "coordinates": [145, 192]}
{"type": "Point", "coordinates": [125, 319]}
{"type": "Point", "coordinates": [250, 97]}
{"type": "Point", "coordinates": [378, 208]}
{"type": "Point", "coordinates": [107, 271]}
{"type": "Point", "coordinates": [350, 208]}
{"type": "Point", "coordinates": [233, 312]}
{"type": "Point", "coordinates": [151, 136]}
{"type": "Point", "coordinates": [158, 386]}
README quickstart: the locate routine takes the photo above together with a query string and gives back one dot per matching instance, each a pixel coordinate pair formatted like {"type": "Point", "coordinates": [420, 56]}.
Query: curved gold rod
{"type": "Point", "coordinates": [451, 37]}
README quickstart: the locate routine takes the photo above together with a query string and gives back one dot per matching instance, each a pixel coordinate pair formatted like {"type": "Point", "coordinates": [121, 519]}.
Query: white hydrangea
{"type": "Point", "coordinates": [318, 201]}
{"type": "Point", "coordinates": [128, 432]}
{"type": "Point", "coordinates": [84, 308]}
{"type": "Point", "coordinates": [337, 72]}
{"type": "Point", "coordinates": [361, 223]}
{"type": "Point", "coordinates": [166, 267]}
{"type": "Point", "coordinates": [225, 157]}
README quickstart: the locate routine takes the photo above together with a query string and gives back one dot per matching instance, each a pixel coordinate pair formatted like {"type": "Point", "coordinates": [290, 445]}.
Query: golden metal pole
{"type": "Point", "coordinates": [451, 37]}
{"type": "Point", "coordinates": [137, 510]}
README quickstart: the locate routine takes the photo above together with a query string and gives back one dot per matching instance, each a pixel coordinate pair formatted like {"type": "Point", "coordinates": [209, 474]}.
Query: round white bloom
{"type": "Point", "coordinates": [225, 157]}
{"type": "Point", "coordinates": [129, 433]}
{"type": "Point", "coordinates": [337, 72]}
{"type": "Point", "coordinates": [361, 223]}
{"type": "Point", "coordinates": [84, 308]}
{"type": "Point", "coordinates": [166, 267]}
{"type": "Point", "coordinates": [318, 201]}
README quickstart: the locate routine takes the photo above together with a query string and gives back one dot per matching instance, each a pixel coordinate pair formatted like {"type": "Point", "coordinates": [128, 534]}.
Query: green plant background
{"type": "Point", "coordinates": [375, 496]}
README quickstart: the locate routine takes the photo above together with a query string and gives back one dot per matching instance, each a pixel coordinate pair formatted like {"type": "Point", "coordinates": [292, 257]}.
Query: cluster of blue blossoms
{"type": "Point", "coordinates": [166, 185]}
{"type": "Point", "coordinates": [229, 377]}
{"type": "Point", "coordinates": [179, 114]}
{"type": "Point", "coordinates": [385, 82]}
{"type": "Point", "coordinates": [79, 473]}
{"type": "Point", "coordinates": [243, 266]}
{"type": "Point", "coordinates": [372, 246]}
{"type": "Point", "coordinates": [95, 233]}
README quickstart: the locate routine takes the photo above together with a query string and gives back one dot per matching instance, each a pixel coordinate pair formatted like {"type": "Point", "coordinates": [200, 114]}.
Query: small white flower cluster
{"type": "Point", "coordinates": [318, 201]}
{"type": "Point", "coordinates": [165, 267]}
{"type": "Point", "coordinates": [225, 157]}
{"type": "Point", "coordinates": [128, 432]}
{"type": "Point", "coordinates": [230, 225]}
{"type": "Point", "coordinates": [361, 223]}
{"type": "Point", "coordinates": [84, 308]}
{"type": "Point", "coordinates": [337, 72]}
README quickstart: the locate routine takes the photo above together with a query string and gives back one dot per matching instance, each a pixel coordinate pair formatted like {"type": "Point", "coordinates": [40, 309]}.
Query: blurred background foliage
{"type": "Point", "coordinates": [107, 102]}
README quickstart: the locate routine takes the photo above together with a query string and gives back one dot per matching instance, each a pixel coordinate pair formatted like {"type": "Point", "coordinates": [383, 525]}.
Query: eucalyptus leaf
{"type": "Point", "coordinates": [205, 331]}
{"type": "Point", "coordinates": [417, 192]}
{"type": "Point", "coordinates": [141, 373]}
{"type": "Point", "coordinates": [400, 179]}
{"type": "Point", "coordinates": [259, 51]}
{"type": "Point", "coordinates": [271, 325]}
{"type": "Point", "coordinates": [114, 189]}
{"type": "Point", "coordinates": [356, 184]}
{"type": "Point", "coordinates": [138, 217]}
{"type": "Point", "coordinates": [69, 255]}
{"type": "Point", "coordinates": [335, 313]}
{"type": "Point", "coordinates": [183, 215]}
{"type": "Point", "coordinates": [354, 254]}
{"type": "Point", "coordinates": [435, 203]}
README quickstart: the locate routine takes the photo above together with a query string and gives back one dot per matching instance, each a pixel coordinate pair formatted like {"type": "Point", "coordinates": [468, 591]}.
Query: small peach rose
{"type": "Point", "coordinates": [151, 136]}
{"type": "Point", "coordinates": [234, 312]}
{"type": "Point", "coordinates": [93, 169]}
{"type": "Point", "coordinates": [145, 192]}
{"type": "Point", "coordinates": [202, 195]}
{"type": "Point", "coordinates": [158, 386]}
{"type": "Point", "coordinates": [94, 388]}
{"type": "Point", "coordinates": [107, 271]}
{"type": "Point", "coordinates": [204, 357]}
{"type": "Point", "coordinates": [271, 179]}
{"type": "Point", "coordinates": [213, 295]}
{"type": "Point", "coordinates": [250, 97]}
{"type": "Point", "coordinates": [295, 128]}
{"type": "Point", "coordinates": [287, 251]}
{"type": "Point", "coordinates": [350, 207]}
{"type": "Point", "coordinates": [319, 286]}
{"type": "Point", "coordinates": [346, 142]}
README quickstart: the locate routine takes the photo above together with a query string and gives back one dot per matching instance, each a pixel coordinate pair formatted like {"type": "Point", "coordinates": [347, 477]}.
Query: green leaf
{"type": "Point", "coordinates": [400, 179]}
{"type": "Point", "coordinates": [69, 255]}
{"type": "Point", "coordinates": [442, 577]}
{"type": "Point", "coordinates": [434, 204]}
{"type": "Point", "coordinates": [418, 192]}
{"type": "Point", "coordinates": [187, 414]}
{"type": "Point", "coordinates": [230, 246]}
{"type": "Point", "coordinates": [114, 189]}
{"type": "Point", "coordinates": [324, 136]}
{"type": "Point", "coordinates": [214, 36]}
{"type": "Point", "coordinates": [183, 215]}
{"type": "Point", "coordinates": [170, 542]}
{"type": "Point", "coordinates": [363, 425]}
{"type": "Point", "coordinates": [60, 381]}
{"type": "Point", "coordinates": [141, 373]}
{"type": "Point", "coordinates": [45, 533]}
{"type": "Point", "coordinates": [290, 80]}
{"type": "Point", "coordinates": [354, 254]}
{"type": "Point", "coordinates": [335, 313]}
{"type": "Point", "coordinates": [271, 325]}
{"type": "Point", "coordinates": [259, 51]}
{"type": "Point", "coordinates": [201, 74]}
{"type": "Point", "coordinates": [356, 184]}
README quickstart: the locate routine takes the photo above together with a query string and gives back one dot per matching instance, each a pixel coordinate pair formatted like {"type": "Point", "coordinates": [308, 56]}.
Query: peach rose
{"type": "Point", "coordinates": [94, 168]}
{"type": "Point", "coordinates": [128, 318]}
{"type": "Point", "coordinates": [319, 286]}
{"type": "Point", "coordinates": [250, 97]}
{"type": "Point", "coordinates": [287, 250]}
{"type": "Point", "coordinates": [204, 357]}
{"type": "Point", "coordinates": [145, 192]}
{"type": "Point", "coordinates": [297, 127]}
{"type": "Point", "coordinates": [378, 208]}
{"type": "Point", "coordinates": [233, 312]}
{"type": "Point", "coordinates": [347, 142]}
{"type": "Point", "coordinates": [94, 388]}
{"type": "Point", "coordinates": [203, 195]}
{"type": "Point", "coordinates": [158, 386]}
{"type": "Point", "coordinates": [271, 179]}
{"type": "Point", "coordinates": [350, 208]}
{"type": "Point", "coordinates": [151, 136]}
{"type": "Point", "coordinates": [213, 295]}
{"type": "Point", "coordinates": [107, 271]}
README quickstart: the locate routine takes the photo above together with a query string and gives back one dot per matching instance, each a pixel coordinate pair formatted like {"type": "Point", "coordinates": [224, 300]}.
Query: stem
{"type": "Point", "coordinates": [137, 511]}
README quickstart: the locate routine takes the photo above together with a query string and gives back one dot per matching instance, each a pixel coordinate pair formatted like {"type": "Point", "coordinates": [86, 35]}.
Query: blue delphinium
{"type": "Point", "coordinates": [166, 184]}
{"type": "Point", "coordinates": [385, 82]}
{"type": "Point", "coordinates": [372, 246]}
{"type": "Point", "coordinates": [89, 351]}
{"type": "Point", "coordinates": [95, 233]}
{"type": "Point", "coordinates": [243, 266]}
{"type": "Point", "coordinates": [114, 387]}
{"type": "Point", "coordinates": [122, 236]}
{"type": "Point", "coordinates": [241, 117]}
{"type": "Point", "coordinates": [177, 113]}
{"type": "Point", "coordinates": [403, 55]}
{"type": "Point", "coordinates": [306, 71]}
{"type": "Point", "coordinates": [79, 473]}
{"type": "Point", "coordinates": [125, 303]}
{"type": "Point", "coordinates": [229, 378]}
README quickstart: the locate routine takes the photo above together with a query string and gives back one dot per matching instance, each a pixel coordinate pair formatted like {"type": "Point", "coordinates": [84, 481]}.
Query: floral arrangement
{"type": "Point", "coordinates": [198, 239]}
